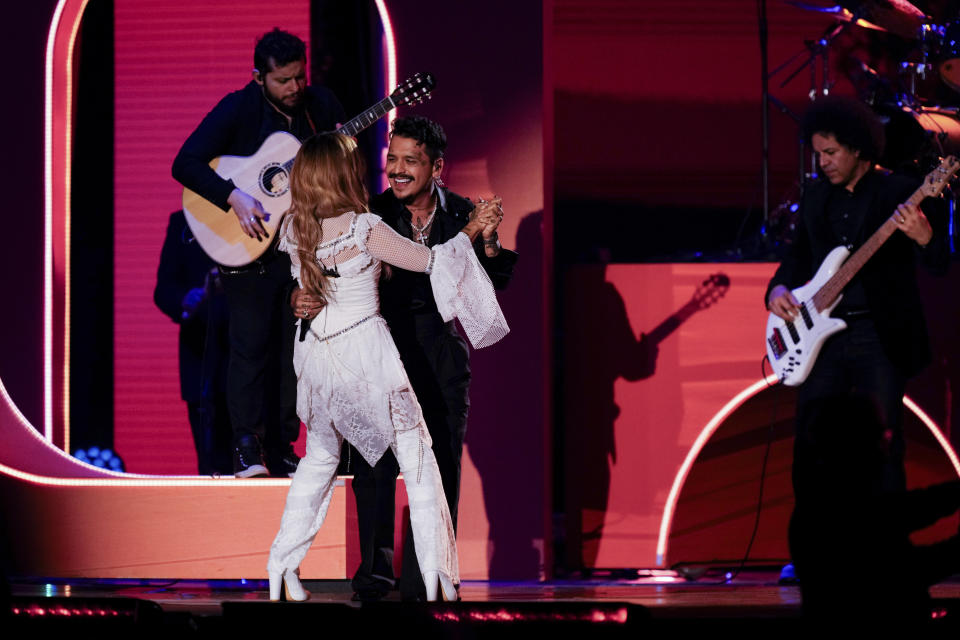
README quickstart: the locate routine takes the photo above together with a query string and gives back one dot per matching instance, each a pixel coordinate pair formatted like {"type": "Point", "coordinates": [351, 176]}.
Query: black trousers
{"type": "Point", "coordinates": [436, 359]}
{"type": "Point", "coordinates": [212, 436]}
{"type": "Point", "coordinates": [851, 363]}
{"type": "Point", "coordinates": [261, 383]}
{"type": "Point", "coordinates": [852, 511]}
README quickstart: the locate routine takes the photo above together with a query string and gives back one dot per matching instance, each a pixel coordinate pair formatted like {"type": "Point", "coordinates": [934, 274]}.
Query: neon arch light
{"type": "Point", "coordinates": [714, 423]}
{"type": "Point", "coordinates": [58, 142]}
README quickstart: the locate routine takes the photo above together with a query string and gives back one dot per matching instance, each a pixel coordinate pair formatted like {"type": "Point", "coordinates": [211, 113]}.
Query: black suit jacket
{"type": "Point", "coordinates": [204, 351]}
{"type": "Point", "coordinates": [406, 293]}
{"type": "Point", "coordinates": [888, 278]}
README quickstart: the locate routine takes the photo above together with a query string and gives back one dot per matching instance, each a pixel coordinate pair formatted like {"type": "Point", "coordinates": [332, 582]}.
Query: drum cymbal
{"type": "Point", "coordinates": [840, 13]}
{"type": "Point", "coordinates": [896, 16]}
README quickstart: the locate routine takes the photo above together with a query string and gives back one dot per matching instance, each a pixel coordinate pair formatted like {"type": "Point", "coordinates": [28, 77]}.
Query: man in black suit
{"type": "Point", "coordinates": [885, 342]}
{"type": "Point", "coordinates": [434, 353]}
{"type": "Point", "coordinates": [886, 339]}
{"type": "Point", "coordinates": [261, 384]}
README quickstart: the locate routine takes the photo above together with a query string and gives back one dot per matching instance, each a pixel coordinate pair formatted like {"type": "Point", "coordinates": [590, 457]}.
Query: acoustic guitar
{"type": "Point", "coordinates": [265, 176]}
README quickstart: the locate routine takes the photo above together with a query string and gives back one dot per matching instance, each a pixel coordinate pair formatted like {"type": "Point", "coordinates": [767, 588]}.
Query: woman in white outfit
{"type": "Point", "coordinates": [351, 382]}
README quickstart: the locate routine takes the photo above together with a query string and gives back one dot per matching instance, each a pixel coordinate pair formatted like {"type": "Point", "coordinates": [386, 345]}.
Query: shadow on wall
{"type": "Point", "coordinates": [600, 346]}
{"type": "Point", "coordinates": [505, 438]}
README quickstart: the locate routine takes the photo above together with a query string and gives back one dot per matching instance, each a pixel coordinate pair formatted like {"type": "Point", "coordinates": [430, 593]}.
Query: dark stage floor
{"type": "Point", "coordinates": [659, 599]}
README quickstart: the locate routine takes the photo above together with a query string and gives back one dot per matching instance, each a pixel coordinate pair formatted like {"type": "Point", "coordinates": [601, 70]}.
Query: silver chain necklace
{"type": "Point", "coordinates": [422, 233]}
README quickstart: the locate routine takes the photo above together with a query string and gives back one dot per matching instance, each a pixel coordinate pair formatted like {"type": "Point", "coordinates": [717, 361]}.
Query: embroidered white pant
{"type": "Point", "coordinates": [312, 488]}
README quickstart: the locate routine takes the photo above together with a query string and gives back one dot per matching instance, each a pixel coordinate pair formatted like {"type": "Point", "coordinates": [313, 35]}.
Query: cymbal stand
{"type": "Point", "coordinates": [817, 58]}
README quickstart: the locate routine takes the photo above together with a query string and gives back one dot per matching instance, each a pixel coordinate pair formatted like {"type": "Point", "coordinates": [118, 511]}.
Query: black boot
{"type": "Point", "coordinates": [283, 463]}
{"type": "Point", "coordinates": [248, 458]}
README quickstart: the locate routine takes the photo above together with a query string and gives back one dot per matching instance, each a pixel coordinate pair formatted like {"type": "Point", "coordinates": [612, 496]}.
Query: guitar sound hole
{"type": "Point", "coordinates": [274, 180]}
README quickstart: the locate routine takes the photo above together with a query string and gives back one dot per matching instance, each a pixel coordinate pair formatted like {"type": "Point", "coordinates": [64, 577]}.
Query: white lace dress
{"type": "Point", "coordinates": [351, 383]}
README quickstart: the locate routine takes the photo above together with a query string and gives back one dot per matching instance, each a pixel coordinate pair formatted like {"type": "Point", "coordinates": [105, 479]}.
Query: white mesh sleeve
{"type": "Point", "coordinates": [389, 246]}
{"type": "Point", "coordinates": [462, 290]}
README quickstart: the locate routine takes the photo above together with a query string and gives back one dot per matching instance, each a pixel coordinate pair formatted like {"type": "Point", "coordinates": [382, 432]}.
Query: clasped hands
{"type": "Point", "coordinates": [485, 217]}
{"type": "Point", "coordinates": [484, 220]}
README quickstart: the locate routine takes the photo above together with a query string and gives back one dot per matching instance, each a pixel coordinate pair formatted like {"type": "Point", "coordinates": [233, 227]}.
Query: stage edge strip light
{"type": "Point", "coordinates": [224, 482]}
{"type": "Point", "coordinates": [391, 52]}
{"type": "Point", "coordinates": [48, 226]}
{"type": "Point", "coordinates": [723, 414]}
{"type": "Point", "coordinates": [52, 65]}
{"type": "Point", "coordinates": [116, 478]}
{"type": "Point", "coordinates": [935, 430]}
{"type": "Point", "coordinates": [68, 225]}
{"type": "Point", "coordinates": [389, 44]}
{"type": "Point", "coordinates": [48, 444]}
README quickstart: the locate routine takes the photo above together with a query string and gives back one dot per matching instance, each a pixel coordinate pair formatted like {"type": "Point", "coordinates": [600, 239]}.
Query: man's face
{"type": "Point", "coordinates": [284, 85]}
{"type": "Point", "coordinates": [409, 169]}
{"type": "Point", "coordinates": [839, 163]}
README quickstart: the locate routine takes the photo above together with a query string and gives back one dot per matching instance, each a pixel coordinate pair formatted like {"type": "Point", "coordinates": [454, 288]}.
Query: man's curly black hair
{"type": "Point", "coordinates": [852, 123]}
{"type": "Point", "coordinates": [277, 49]}
{"type": "Point", "coordinates": [425, 132]}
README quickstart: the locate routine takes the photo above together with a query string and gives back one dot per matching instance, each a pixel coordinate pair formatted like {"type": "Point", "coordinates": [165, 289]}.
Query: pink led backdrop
{"type": "Point", "coordinates": [174, 61]}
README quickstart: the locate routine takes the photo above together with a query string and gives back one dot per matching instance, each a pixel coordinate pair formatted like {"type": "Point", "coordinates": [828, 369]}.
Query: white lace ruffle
{"type": "Point", "coordinates": [355, 383]}
{"type": "Point", "coordinates": [462, 290]}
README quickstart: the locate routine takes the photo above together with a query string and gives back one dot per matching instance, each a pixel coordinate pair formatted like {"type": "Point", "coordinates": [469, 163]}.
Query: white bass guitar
{"type": "Point", "coordinates": [793, 346]}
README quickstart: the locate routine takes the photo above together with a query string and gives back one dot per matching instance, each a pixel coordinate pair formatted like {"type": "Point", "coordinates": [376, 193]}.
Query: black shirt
{"type": "Point", "coordinates": [845, 213]}
{"type": "Point", "coordinates": [237, 126]}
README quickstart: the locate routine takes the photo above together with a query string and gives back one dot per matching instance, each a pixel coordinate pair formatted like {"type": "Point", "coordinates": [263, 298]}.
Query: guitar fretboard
{"type": "Point", "coordinates": [368, 117]}
{"type": "Point", "coordinates": [359, 123]}
{"type": "Point", "coordinates": [828, 293]}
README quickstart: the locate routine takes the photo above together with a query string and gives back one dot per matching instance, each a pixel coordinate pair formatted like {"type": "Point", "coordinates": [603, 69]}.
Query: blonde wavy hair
{"type": "Point", "coordinates": [326, 181]}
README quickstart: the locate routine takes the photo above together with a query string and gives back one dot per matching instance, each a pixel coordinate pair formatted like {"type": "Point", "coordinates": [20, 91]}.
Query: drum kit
{"type": "Point", "coordinates": [903, 63]}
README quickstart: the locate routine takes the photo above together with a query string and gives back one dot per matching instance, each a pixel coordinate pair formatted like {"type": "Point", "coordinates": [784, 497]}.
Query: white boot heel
{"type": "Point", "coordinates": [276, 581]}
{"type": "Point", "coordinates": [436, 584]}
{"type": "Point", "coordinates": [293, 591]}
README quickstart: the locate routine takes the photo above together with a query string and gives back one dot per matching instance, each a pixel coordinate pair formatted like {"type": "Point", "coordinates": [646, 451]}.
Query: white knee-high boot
{"type": "Point", "coordinates": [305, 509]}
{"type": "Point", "coordinates": [430, 519]}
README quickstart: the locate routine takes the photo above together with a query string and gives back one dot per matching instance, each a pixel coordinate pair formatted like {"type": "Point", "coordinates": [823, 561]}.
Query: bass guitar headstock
{"type": "Point", "coordinates": [937, 180]}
